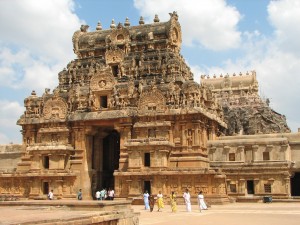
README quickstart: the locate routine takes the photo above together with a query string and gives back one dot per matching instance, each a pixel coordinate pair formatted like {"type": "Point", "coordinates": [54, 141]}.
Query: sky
{"type": "Point", "coordinates": [219, 37]}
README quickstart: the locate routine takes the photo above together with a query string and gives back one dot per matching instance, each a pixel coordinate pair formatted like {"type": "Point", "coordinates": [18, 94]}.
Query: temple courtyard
{"type": "Point", "coordinates": [275, 213]}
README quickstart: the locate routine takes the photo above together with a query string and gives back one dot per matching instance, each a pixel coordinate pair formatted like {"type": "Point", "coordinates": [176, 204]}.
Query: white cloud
{"type": "Point", "coordinates": [35, 44]}
{"type": "Point", "coordinates": [10, 112]}
{"type": "Point", "coordinates": [276, 60]}
{"type": "Point", "coordinates": [210, 24]}
{"type": "Point", "coordinates": [284, 16]}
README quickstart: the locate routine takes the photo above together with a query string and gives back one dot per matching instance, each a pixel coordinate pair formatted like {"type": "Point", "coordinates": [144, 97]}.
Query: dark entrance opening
{"type": "Point", "coordinates": [250, 187]}
{"type": "Point", "coordinates": [45, 188]}
{"type": "Point", "coordinates": [147, 159]}
{"type": "Point", "coordinates": [111, 156]}
{"type": "Point", "coordinates": [147, 186]}
{"type": "Point", "coordinates": [295, 185]}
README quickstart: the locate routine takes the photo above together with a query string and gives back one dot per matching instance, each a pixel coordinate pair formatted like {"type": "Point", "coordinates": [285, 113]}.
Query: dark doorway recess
{"type": "Point", "coordinates": [250, 187]}
{"type": "Point", "coordinates": [147, 186]}
{"type": "Point", "coordinates": [111, 156]}
{"type": "Point", "coordinates": [295, 184]}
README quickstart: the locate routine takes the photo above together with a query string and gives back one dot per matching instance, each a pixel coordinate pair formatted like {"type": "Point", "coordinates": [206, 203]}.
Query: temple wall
{"type": "Point", "coordinates": [10, 155]}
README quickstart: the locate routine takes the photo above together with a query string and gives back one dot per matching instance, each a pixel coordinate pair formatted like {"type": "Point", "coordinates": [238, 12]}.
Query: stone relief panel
{"type": "Point", "coordinates": [152, 101]}
{"type": "Point", "coordinates": [55, 109]}
{"type": "Point", "coordinates": [114, 56]}
{"type": "Point", "coordinates": [102, 80]}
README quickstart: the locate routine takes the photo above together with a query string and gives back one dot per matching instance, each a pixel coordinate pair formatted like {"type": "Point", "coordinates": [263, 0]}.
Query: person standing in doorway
{"type": "Point", "coordinates": [111, 194]}
{"type": "Point", "coordinates": [201, 202]}
{"type": "Point", "coordinates": [146, 200]}
{"type": "Point", "coordinates": [97, 195]}
{"type": "Point", "coordinates": [187, 200]}
{"type": "Point", "coordinates": [173, 202]}
{"type": "Point", "coordinates": [79, 195]}
{"type": "Point", "coordinates": [160, 201]}
{"type": "Point", "coordinates": [102, 194]}
{"type": "Point", "coordinates": [50, 195]}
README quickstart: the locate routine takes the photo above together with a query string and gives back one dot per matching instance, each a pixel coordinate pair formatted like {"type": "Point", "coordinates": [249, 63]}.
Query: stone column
{"type": "Point", "coordinates": [240, 151]}
{"type": "Point", "coordinates": [242, 187]}
{"type": "Point", "coordinates": [288, 186]}
{"type": "Point", "coordinates": [254, 152]}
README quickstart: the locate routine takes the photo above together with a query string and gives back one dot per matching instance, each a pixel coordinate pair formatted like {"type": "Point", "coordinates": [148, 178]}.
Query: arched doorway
{"type": "Point", "coordinates": [295, 184]}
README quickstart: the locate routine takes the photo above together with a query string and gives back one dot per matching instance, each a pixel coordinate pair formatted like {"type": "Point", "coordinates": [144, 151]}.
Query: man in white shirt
{"type": "Point", "coordinates": [98, 195]}
{"type": "Point", "coordinates": [50, 195]}
{"type": "Point", "coordinates": [187, 200]}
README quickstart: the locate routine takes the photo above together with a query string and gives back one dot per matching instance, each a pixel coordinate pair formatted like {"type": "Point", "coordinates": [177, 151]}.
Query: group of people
{"type": "Point", "coordinates": [149, 201]}
{"type": "Point", "coordinates": [105, 195]}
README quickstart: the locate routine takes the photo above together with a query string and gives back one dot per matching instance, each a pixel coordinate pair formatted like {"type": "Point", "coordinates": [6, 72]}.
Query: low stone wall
{"type": "Point", "coordinates": [10, 155]}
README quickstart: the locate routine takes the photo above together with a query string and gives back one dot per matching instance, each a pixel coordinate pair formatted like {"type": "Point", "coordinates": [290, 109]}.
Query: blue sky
{"type": "Point", "coordinates": [219, 36]}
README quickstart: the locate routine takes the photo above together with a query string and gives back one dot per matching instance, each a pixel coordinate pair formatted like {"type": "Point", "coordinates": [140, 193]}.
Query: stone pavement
{"type": "Point", "coordinates": [230, 214]}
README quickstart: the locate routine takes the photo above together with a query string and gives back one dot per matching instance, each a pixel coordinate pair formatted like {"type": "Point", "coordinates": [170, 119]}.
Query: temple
{"type": "Point", "coordinates": [127, 114]}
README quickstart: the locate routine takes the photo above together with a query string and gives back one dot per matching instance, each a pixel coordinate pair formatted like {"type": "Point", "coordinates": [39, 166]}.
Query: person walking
{"type": "Point", "coordinates": [160, 201]}
{"type": "Point", "coordinates": [146, 200]}
{"type": "Point", "coordinates": [187, 200]}
{"type": "Point", "coordinates": [151, 202]}
{"type": "Point", "coordinates": [50, 195]}
{"type": "Point", "coordinates": [201, 202]}
{"type": "Point", "coordinates": [173, 202]}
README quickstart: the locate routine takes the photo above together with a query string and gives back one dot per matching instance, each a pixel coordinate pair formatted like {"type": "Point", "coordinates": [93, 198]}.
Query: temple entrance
{"type": "Point", "coordinates": [250, 187]}
{"type": "Point", "coordinates": [147, 186]}
{"type": "Point", "coordinates": [105, 155]}
{"type": "Point", "coordinates": [295, 185]}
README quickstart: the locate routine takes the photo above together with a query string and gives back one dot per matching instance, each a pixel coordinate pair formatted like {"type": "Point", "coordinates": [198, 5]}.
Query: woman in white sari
{"type": "Point", "coordinates": [201, 202]}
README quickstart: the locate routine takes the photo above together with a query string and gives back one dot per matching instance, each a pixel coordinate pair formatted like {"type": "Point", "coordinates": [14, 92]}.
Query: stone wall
{"type": "Point", "coordinates": [10, 155]}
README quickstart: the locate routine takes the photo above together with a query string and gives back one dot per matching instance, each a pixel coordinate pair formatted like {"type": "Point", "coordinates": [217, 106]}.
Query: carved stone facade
{"type": "Point", "coordinates": [128, 115]}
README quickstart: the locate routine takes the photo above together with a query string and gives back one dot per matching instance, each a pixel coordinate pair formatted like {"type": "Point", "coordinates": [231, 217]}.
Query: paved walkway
{"type": "Point", "coordinates": [231, 214]}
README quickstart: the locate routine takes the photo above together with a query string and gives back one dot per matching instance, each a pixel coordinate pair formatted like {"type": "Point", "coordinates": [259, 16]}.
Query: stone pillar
{"type": "Point", "coordinates": [288, 186]}
{"type": "Point", "coordinates": [240, 151]}
{"type": "Point", "coordinates": [254, 152]}
{"type": "Point", "coordinates": [226, 153]}
{"type": "Point", "coordinates": [242, 187]}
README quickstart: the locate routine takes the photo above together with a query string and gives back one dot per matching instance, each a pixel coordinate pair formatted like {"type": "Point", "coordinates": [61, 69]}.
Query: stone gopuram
{"type": "Point", "coordinates": [127, 115]}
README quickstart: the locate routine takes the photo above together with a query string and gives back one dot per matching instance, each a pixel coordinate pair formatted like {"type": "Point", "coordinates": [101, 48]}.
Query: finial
{"type": "Point", "coordinates": [99, 26]}
{"type": "Point", "coordinates": [234, 74]}
{"type": "Point", "coordinates": [127, 23]}
{"type": "Point", "coordinates": [141, 22]}
{"type": "Point", "coordinates": [156, 19]}
{"type": "Point", "coordinates": [215, 76]}
{"type": "Point", "coordinates": [247, 73]}
{"type": "Point", "coordinates": [221, 75]}
{"type": "Point", "coordinates": [241, 74]}
{"type": "Point", "coordinates": [33, 92]}
{"type": "Point", "coordinates": [112, 25]}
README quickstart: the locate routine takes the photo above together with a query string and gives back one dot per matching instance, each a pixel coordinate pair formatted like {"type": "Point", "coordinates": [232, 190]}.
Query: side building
{"type": "Point", "coordinates": [259, 155]}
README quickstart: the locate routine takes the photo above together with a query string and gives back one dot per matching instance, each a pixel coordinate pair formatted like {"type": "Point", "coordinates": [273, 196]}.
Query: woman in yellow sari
{"type": "Point", "coordinates": [160, 201]}
{"type": "Point", "coordinates": [173, 201]}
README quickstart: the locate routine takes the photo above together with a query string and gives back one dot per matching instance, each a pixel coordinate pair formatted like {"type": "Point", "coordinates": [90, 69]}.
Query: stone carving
{"type": "Point", "coordinates": [55, 109]}
{"type": "Point", "coordinates": [152, 101]}
{"type": "Point", "coordinates": [102, 80]}
{"type": "Point", "coordinates": [114, 56]}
